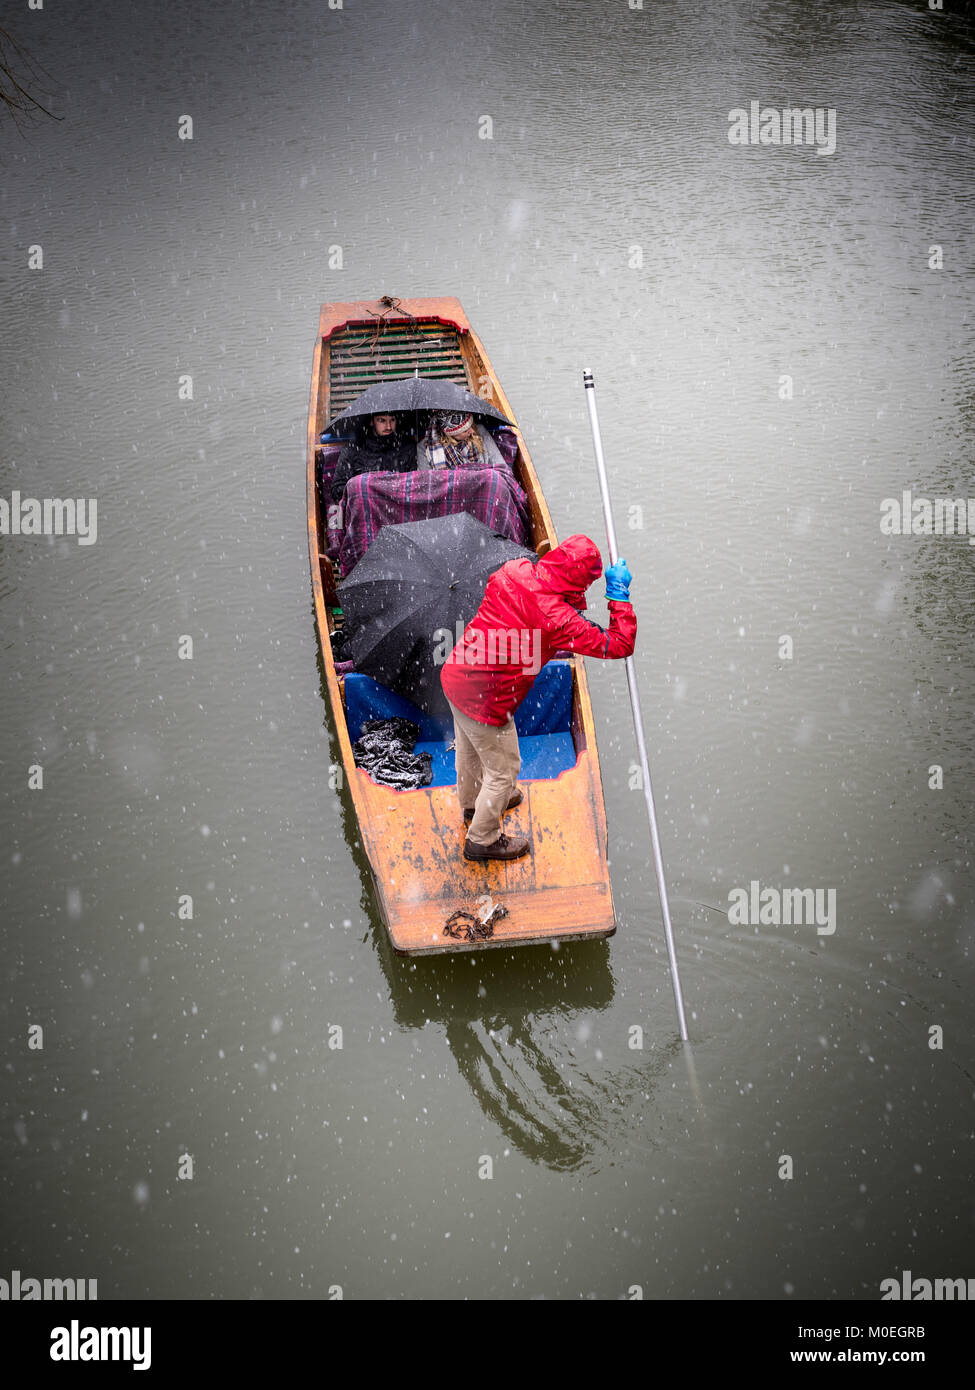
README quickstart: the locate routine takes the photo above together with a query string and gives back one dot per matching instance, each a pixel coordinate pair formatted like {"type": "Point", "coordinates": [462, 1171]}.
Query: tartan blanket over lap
{"type": "Point", "coordinates": [374, 500]}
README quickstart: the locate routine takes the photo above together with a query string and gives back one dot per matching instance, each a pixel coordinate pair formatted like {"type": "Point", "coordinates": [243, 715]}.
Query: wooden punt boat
{"type": "Point", "coordinates": [414, 839]}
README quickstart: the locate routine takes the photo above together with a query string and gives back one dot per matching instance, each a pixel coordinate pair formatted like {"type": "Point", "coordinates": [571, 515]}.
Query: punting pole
{"type": "Point", "coordinates": [658, 863]}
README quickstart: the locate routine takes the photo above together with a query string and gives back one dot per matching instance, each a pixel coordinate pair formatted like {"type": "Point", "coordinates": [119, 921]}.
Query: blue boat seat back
{"type": "Point", "coordinates": [543, 721]}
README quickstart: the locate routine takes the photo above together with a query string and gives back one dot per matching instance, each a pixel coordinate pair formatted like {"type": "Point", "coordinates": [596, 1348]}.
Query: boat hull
{"type": "Point", "coordinates": [414, 839]}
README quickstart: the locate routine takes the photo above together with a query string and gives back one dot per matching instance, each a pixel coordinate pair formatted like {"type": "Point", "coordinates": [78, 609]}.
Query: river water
{"type": "Point", "coordinates": [776, 352]}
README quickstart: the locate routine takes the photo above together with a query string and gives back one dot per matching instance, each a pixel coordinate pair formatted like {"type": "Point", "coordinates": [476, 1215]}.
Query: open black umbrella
{"type": "Point", "coordinates": [417, 393]}
{"type": "Point", "coordinates": [404, 599]}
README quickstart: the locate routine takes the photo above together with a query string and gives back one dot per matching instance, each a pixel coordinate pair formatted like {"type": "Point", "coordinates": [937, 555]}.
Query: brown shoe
{"type": "Point", "coordinates": [515, 799]}
{"type": "Point", "coordinates": [504, 847]}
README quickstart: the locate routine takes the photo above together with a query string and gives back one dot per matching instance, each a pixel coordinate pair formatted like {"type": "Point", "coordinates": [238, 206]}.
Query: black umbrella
{"type": "Point", "coordinates": [417, 393]}
{"type": "Point", "coordinates": [405, 596]}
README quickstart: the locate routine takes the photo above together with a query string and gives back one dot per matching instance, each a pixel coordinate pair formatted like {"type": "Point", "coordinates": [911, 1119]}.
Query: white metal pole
{"type": "Point", "coordinates": [658, 862]}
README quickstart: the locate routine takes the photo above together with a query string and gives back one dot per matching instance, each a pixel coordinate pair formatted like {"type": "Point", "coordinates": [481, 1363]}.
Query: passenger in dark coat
{"type": "Point", "coordinates": [380, 448]}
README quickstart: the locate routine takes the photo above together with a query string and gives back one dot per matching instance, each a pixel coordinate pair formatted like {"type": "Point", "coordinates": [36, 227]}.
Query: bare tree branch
{"type": "Point", "coordinates": [21, 103]}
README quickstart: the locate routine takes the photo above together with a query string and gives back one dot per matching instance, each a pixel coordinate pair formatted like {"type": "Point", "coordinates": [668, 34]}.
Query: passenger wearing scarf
{"type": "Point", "coordinates": [454, 441]}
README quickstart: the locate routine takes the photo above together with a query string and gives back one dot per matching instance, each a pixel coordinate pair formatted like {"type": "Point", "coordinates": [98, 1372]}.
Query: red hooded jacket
{"type": "Point", "coordinates": [526, 616]}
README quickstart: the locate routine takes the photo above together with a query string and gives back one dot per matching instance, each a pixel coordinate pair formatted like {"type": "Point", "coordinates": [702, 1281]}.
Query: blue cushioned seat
{"type": "Point", "coordinates": [543, 721]}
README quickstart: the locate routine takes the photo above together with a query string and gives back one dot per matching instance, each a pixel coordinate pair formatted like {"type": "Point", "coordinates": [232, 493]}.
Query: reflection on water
{"type": "Point", "coordinates": [505, 1017]}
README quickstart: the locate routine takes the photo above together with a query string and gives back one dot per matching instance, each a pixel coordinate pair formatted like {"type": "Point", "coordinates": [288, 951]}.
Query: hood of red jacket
{"type": "Point", "coordinates": [569, 569]}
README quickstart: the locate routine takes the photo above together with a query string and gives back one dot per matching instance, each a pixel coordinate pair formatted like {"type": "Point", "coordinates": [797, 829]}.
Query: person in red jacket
{"type": "Point", "coordinates": [529, 612]}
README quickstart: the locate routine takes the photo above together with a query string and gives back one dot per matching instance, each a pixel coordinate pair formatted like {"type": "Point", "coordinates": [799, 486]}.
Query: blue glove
{"type": "Point", "coordinates": [618, 581]}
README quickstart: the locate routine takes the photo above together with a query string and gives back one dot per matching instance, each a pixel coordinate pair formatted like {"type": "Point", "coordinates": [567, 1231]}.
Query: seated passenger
{"type": "Point", "coordinates": [379, 448]}
{"type": "Point", "coordinates": [453, 440]}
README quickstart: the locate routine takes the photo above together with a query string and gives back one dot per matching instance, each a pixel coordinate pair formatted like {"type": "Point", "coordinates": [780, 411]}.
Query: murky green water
{"type": "Point", "coordinates": [608, 223]}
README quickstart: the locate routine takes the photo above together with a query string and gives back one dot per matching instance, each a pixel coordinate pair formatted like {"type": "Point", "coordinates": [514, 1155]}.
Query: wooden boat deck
{"type": "Point", "coordinates": [414, 839]}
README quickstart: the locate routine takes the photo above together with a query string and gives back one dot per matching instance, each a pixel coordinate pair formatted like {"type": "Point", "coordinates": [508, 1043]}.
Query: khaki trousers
{"type": "Point", "coordinates": [488, 762]}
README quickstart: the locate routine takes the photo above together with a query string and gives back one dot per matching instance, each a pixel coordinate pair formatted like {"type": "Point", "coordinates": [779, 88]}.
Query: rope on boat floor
{"type": "Point", "coordinates": [465, 926]}
{"type": "Point", "coordinates": [390, 304]}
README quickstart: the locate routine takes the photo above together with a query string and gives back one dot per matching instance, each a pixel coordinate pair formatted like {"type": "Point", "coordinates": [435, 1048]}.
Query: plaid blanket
{"type": "Point", "coordinates": [374, 500]}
